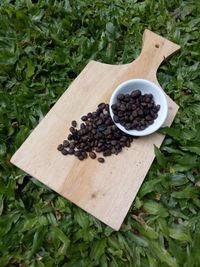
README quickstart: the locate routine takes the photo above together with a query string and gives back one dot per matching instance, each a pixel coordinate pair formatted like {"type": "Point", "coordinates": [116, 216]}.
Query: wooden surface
{"type": "Point", "coordinates": [104, 190]}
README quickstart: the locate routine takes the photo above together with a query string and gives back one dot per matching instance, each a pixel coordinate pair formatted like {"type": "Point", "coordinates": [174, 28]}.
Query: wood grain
{"type": "Point", "coordinates": [104, 190]}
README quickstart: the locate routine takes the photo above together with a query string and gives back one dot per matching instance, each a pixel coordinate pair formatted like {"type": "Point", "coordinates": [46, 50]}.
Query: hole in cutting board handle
{"type": "Point", "coordinates": [157, 46]}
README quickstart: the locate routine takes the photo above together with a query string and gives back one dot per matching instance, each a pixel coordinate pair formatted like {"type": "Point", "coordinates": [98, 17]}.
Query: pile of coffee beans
{"type": "Point", "coordinates": [135, 111]}
{"type": "Point", "coordinates": [97, 134]}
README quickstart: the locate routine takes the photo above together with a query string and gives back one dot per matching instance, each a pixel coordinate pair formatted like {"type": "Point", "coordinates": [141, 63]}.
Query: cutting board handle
{"type": "Point", "coordinates": [155, 50]}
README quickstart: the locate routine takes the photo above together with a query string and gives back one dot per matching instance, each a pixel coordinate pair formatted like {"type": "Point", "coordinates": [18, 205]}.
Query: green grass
{"type": "Point", "coordinates": [44, 44]}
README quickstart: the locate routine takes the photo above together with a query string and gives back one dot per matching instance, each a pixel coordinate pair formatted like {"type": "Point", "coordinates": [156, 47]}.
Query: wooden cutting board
{"type": "Point", "coordinates": [104, 190]}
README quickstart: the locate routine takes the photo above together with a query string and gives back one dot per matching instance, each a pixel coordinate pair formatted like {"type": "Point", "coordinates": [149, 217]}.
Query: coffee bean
{"type": "Point", "coordinates": [64, 152]}
{"type": "Point", "coordinates": [74, 123]}
{"type": "Point", "coordinates": [157, 107]}
{"type": "Point", "coordinates": [135, 93]}
{"type": "Point", "coordinates": [71, 151]}
{"type": "Point", "coordinates": [101, 160]}
{"type": "Point", "coordinates": [147, 100]}
{"type": "Point", "coordinates": [134, 114]}
{"type": "Point", "coordinates": [101, 105]}
{"type": "Point", "coordinates": [129, 106]}
{"type": "Point", "coordinates": [145, 111]}
{"type": "Point", "coordinates": [82, 126]}
{"type": "Point", "coordinates": [148, 118]}
{"type": "Point", "coordinates": [143, 104]}
{"type": "Point", "coordinates": [72, 130]}
{"type": "Point", "coordinates": [113, 142]}
{"type": "Point", "coordinates": [106, 153]}
{"type": "Point", "coordinates": [60, 147]}
{"type": "Point", "coordinates": [128, 144]}
{"type": "Point", "coordinates": [84, 154]}
{"type": "Point", "coordinates": [84, 118]}
{"type": "Point", "coordinates": [77, 153]}
{"type": "Point", "coordinates": [99, 122]}
{"type": "Point", "coordinates": [66, 143]}
{"type": "Point", "coordinates": [122, 107]}
{"type": "Point", "coordinates": [120, 96]}
{"type": "Point", "coordinates": [80, 157]}
{"type": "Point", "coordinates": [150, 96]}
{"type": "Point", "coordinates": [72, 145]}
{"type": "Point", "coordinates": [70, 137]}
{"type": "Point", "coordinates": [155, 116]}
{"type": "Point", "coordinates": [92, 155]}
{"type": "Point", "coordinates": [140, 112]}
{"type": "Point", "coordinates": [116, 118]}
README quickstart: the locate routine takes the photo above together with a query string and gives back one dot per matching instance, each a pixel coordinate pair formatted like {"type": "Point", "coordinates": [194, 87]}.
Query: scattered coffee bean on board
{"type": "Point", "coordinates": [60, 147]}
{"type": "Point", "coordinates": [97, 134]}
{"type": "Point", "coordinates": [92, 155]}
{"type": "Point", "coordinates": [135, 111]}
{"type": "Point", "coordinates": [74, 124]}
{"type": "Point", "coordinates": [101, 160]}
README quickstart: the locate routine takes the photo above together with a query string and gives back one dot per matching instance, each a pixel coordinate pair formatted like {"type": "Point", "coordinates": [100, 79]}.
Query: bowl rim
{"type": "Point", "coordinates": [164, 104]}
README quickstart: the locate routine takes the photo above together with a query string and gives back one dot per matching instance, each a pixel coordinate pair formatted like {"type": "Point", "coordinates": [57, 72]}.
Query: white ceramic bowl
{"type": "Point", "coordinates": [146, 87]}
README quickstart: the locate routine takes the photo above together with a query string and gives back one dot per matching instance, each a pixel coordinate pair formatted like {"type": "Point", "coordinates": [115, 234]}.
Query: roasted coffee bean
{"type": "Point", "coordinates": [64, 152]}
{"type": "Point", "coordinates": [77, 153]}
{"type": "Point", "coordinates": [113, 142]}
{"type": "Point", "coordinates": [128, 144]}
{"type": "Point", "coordinates": [70, 137]}
{"type": "Point", "coordinates": [155, 116]}
{"type": "Point", "coordinates": [157, 107]}
{"type": "Point", "coordinates": [129, 106]}
{"type": "Point", "coordinates": [84, 154]}
{"type": "Point", "coordinates": [128, 126]}
{"type": "Point", "coordinates": [134, 106]}
{"type": "Point", "coordinates": [71, 151]}
{"type": "Point", "coordinates": [72, 130]}
{"type": "Point", "coordinates": [134, 113]}
{"type": "Point", "coordinates": [106, 153]}
{"type": "Point", "coordinates": [136, 93]}
{"type": "Point", "coordinates": [140, 112]}
{"type": "Point", "coordinates": [147, 100]}
{"type": "Point", "coordinates": [148, 118]}
{"type": "Point", "coordinates": [82, 126]}
{"type": "Point", "coordinates": [80, 157]}
{"type": "Point", "coordinates": [150, 96]}
{"type": "Point", "coordinates": [122, 107]}
{"type": "Point", "coordinates": [72, 145]}
{"type": "Point", "coordinates": [84, 118]}
{"type": "Point", "coordinates": [89, 115]}
{"type": "Point", "coordinates": [99, 122]}
{"type": "Point", "coordinates": [101, 160]}
{"type": "Point", "coordinates": [101, 105]}
{"type": "Point", "coordinates": [145, 111]}
{"type": "Point", "coordinates": [116, 118]}
{"type": "Point", "coordinates": [66, 143]}
{"type": "Point", "coordinates": [120, 96]}
{"type": "Point", "coordinates": [92, 155]}
{"type": "Point", "coordinates": [143, 104]}
{"type": "Point", "coordinates": [60, 147]}
{"type": "Point", "coordinates": [114, 107]}
{"type": "Point", "coordinates": [74, 123]}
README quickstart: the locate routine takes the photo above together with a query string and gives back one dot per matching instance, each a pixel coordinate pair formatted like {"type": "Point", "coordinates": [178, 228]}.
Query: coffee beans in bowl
{"type": "Point", "coordinates": [135, 111]}
{"type": "Point", "coordinates": [138, 107]}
